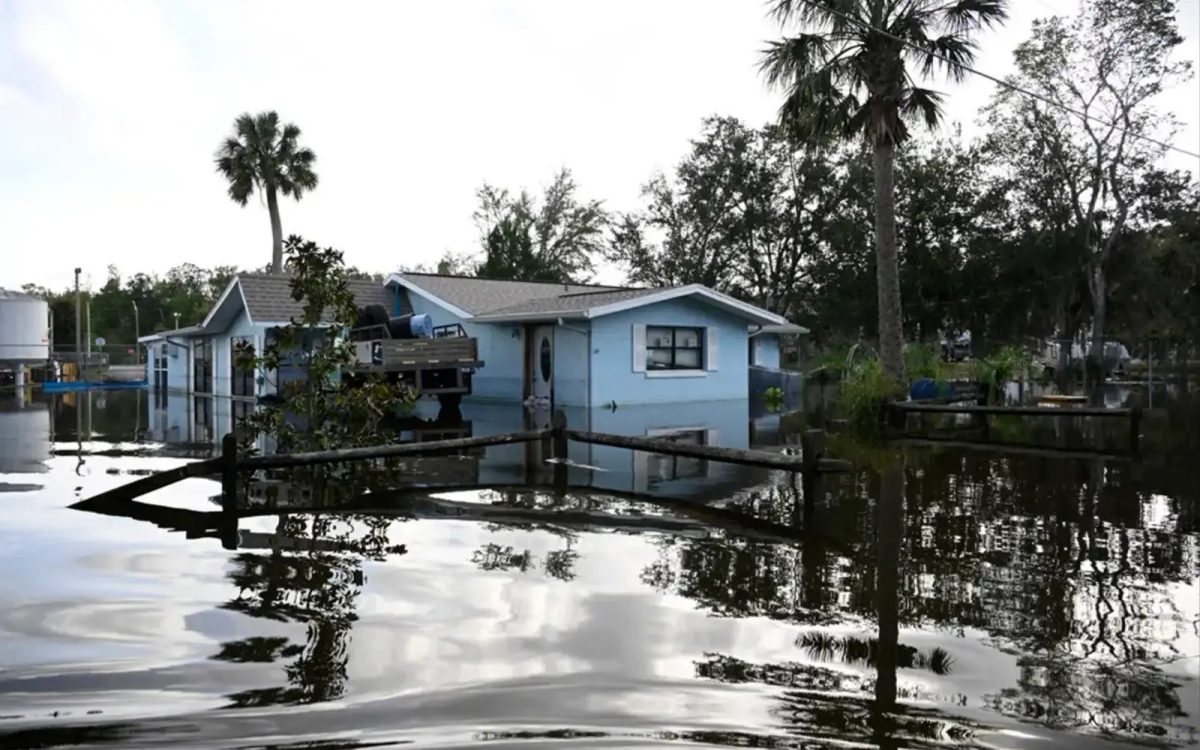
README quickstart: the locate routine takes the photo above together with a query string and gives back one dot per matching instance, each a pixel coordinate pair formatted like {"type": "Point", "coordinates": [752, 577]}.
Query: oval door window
{"type": "Point", "coordinates": [545, 359]}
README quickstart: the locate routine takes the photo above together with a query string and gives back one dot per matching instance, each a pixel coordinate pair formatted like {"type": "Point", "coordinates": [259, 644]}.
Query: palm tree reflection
{"type": "Point", "coordinates": [317, 583]}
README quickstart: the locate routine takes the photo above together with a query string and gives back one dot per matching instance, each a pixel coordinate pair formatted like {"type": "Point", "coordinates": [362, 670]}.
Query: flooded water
{"type": "Point", "coordinates": [935, 596]}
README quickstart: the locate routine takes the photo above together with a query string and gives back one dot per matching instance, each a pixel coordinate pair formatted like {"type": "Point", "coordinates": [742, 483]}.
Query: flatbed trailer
{"type": "Point", "coordinates": [441, 366]}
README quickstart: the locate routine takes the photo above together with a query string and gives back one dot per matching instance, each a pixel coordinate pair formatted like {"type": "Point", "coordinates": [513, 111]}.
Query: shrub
{"type": "Point", "coordinates": [773, 399]}
{"type": "Point", "coordinates": [1007, 364]}
{"type": "Point", "coordinates": [923, 361]}
{"type": "Point", "coordinates": [863, 390]}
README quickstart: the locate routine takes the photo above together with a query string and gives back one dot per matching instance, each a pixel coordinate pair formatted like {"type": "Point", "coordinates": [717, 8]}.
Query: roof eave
{"type": "Point", "coordinates": [234, 282]}
{"type": "Point", "coordinates": [399, 280]}
{"type": "Point", "coordinates": [780, 330]}
{"type": "Point", "coordinates": [533, 317]}
{"type": "Point", "coordinates": [742, 309]}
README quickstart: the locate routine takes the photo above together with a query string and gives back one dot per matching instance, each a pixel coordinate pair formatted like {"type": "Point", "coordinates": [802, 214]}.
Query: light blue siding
{"type": "Point", "coordinates": [223, 351]}
{"type": "Point", "coordinates": [613, 378]}
{"type": "Point", "coordinates": [766, 350]}
{"type": "Point", "coordinates": [571, 364]}
{"type": "Point", "coordinates": [178, 363]}
{"type": "Point", "coordinates": [501, 347]}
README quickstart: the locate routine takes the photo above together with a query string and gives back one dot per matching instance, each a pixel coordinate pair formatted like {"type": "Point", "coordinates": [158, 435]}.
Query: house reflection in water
{"type": "Point", "coordinates": [178, 418]}
{"type": "Point", "coordinates": [187, 419]}
{"type": "Point", "coordinates": [718, 423]}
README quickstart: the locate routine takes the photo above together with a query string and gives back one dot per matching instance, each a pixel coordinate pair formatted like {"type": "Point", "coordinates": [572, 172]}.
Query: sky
{"type": "Point", "coordinates": [110, 114]}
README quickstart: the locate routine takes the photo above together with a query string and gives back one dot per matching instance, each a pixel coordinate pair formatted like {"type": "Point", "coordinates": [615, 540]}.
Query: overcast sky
{"type": "Point", "coordinates": [110, 113]}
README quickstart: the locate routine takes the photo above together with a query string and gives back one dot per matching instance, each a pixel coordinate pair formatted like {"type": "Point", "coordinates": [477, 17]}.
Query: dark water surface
{"type": "Point", "coordinates": [970, 598]}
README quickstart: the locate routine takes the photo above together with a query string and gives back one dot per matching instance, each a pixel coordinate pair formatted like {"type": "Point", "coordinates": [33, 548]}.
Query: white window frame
{"type": "Point", "coordinates": [709, 352]}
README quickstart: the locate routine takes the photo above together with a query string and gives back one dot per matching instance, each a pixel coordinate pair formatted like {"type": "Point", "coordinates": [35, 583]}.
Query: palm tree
{"type": "Point", "coordinates": [848, 75]}
{"type": "Point", "coordinates": [261, 156]}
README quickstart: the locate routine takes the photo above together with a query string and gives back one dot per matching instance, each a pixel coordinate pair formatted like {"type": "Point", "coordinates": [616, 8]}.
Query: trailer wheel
{"type": "Point", "coordinates": [450, 400]}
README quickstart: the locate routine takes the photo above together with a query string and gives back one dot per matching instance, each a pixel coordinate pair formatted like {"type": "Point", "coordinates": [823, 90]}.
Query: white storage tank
{"type": "Point", "coordinates": [24, 328]}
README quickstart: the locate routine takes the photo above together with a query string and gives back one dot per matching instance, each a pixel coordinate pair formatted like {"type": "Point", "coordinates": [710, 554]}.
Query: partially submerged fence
{"type": "Point", "coordinates": [230, 466]}
{"type": "Point", "coordinates": [896, 414]}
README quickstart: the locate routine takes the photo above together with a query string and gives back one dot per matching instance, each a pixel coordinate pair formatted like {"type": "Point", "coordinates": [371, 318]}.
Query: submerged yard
{"type": "Point", "coordinates": [1039, 601]}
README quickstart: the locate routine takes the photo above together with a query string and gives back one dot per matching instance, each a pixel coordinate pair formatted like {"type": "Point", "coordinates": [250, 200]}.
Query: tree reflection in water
{"type": "Point", "coordinates": [313, 575]}
{"type": "Point", "coordinates": [1071, 567]}
{"type": "Point", "coordinates": [1074, 568]}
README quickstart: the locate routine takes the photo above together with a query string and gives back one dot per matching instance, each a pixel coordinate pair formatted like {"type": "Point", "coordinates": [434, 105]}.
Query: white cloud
{"type": "Point", "coordinates": [111, 113]}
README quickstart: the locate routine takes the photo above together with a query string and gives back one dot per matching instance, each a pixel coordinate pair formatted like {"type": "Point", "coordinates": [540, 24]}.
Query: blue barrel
{"type": "Point", "coordinates": [923, 389]}
{"type": "Point", "coordinates": [416, 326]}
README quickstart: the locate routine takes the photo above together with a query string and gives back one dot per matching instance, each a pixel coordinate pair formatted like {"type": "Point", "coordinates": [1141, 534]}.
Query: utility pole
{"type": "Point", "coordinates": [78, 319]}
{"type": "Point", "coordinates": [137, 333]}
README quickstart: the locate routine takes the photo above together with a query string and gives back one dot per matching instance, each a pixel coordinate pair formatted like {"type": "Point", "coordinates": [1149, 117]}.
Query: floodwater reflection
{"type": "Point", "coordinates": [929, 598]}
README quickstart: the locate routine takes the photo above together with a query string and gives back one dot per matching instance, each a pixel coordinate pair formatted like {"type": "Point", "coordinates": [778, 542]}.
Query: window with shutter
{"type": "Point", "coordinates": [672, 348]}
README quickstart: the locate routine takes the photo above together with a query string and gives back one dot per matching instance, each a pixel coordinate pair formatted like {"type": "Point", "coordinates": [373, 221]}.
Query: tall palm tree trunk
{"type": "Point", "coordinates": [887, 264]}
{"type": "Point", "coordinates": [276, 231]}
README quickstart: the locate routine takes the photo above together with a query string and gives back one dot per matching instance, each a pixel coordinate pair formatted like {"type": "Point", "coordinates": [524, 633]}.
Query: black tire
{"type": "Point", "coordinates": [399, 327]}
{"type": "Point", "coordinates": [373, 315]}
{"type": "Point", "coordinates": [450, 400]}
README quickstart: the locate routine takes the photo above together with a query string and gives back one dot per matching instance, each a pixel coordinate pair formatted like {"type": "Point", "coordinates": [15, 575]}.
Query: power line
{"type": "Point", "coordinates": [999, 81]}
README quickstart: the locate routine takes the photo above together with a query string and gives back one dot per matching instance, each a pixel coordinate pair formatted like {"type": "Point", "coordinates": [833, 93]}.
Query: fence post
{"type": "Point", "coordinates": [229, 486]}
{"type": "Point", "coordinates": [812, 446]}
{"type": "Point", "coordinates": [558, 449]}
{"type": "Point", "coordinates": [1135, 428]}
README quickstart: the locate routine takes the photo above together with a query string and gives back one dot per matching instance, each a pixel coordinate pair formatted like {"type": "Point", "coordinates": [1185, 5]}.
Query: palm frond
{"type": "Point", "coordinates": [794, 58]}
{"type": "Point", "coordinates": [970, 15]}
{"type": "Point", "coordinates": [298, 175]}
{"type": "Point", "coordinates": [923, 103]}
{"type": "Point", "coordinates": [833, 15]}
{"type": "Point", "coordinates": [952, 53]}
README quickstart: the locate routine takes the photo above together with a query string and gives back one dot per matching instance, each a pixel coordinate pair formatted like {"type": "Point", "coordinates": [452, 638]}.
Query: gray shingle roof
{"type": "Point", "coordinates": [483, 296]}
{"type": "Point", "coordinates": [570, 303]}
{"type": "Point", "coordinates": [269, 296]}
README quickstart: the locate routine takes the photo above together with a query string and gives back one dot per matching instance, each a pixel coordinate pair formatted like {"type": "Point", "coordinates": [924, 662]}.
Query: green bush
{"type": "Point", "coordinates": [863, 390]}
{"type": "Point", "coordinates": [842, 359]}
{"type": "Point", "coordinates": [773, 399]}
{"type": "Point", "coordinates": [1009, 363]}
{"type": "Point", "coordinates": [923, 361]}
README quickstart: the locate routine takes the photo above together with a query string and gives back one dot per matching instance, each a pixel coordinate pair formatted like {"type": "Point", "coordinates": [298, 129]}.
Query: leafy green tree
{"type": "Point", "coordinates": [744, 213]}
{"type": "Point", "coordinates": [847, 74]}
{"type": "Point", "coordinates": [1154, 292]}
{"type": "Point", "coordinates": [261, 155]}
{"type": "Point", "coordinates": [316, 413]}
{"type": "Point", "coordinates": [555, 240]}
{"type": "Point", "coordinates": [1107, 63]}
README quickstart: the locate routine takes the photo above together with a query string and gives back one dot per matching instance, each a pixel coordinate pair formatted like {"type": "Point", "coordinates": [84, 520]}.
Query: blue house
{"type": "Point", "coordinates": [200, 359]}
{"type": "Point", "coordinates": [589, 346]}
{"type": "Point", "coordinates": [572, 345]}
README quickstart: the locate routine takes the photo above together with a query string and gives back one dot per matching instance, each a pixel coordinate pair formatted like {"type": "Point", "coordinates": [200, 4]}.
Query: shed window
{"type": "Point", "coordinates": [242, 380]}
{"type": "Point", "coordinates": [674, 348]}
{"type": "Point", "coordinates": [202, 366]}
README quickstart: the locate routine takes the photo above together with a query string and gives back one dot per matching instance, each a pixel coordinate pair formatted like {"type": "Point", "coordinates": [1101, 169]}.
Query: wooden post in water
{"type": "Point", "coordinates": [558, 449]}
{"type": "Point", "coordinates": [812, 446]}
{"type": "Point", "coordinates": [1135, 428]}
{"type": "Point", "coordinates": [229, 467]}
